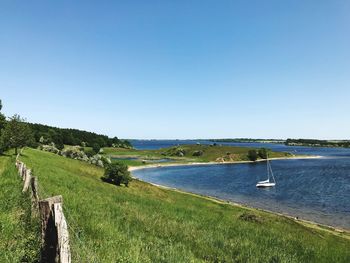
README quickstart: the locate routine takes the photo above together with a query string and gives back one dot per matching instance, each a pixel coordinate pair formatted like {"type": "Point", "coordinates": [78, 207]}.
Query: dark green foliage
{"type": "Point", "coordinates": [96, 148]}
{"type": "Point", "coordinates": [175, 151]}
{"type": "Point", "coordinates": [2, 118]}
{"type": "Point", "coordinates": [75, 137]}
{"type": "Point", "coordinates": [318, 143]}
{"type": "Point", "coordinates": [263, 153]}
{"type": "Point", "coordinates": [197, 153]}
{"type": "Point", "coordinates": [252, 155]}
{"type": "Point", "coordinates": [89, 152]}
{"type": "Point", "coordinates": [117, 173]}
{"type": "Point", "coordinates": [16, 134]}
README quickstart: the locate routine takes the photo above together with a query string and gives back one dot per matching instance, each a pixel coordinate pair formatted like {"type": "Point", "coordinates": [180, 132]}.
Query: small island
{"type": "Point", "coordinates": [192, 153]}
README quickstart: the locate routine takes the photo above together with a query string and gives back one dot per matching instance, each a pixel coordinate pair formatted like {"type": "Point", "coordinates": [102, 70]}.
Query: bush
{"type": "Point", "coordinates": [49, 148]}
{"type": "Point", "coordinates": [197, 153]}
{"type": "Point", "coordinates": [96, 148]}
{"type": "Point", "coordinates": [89, 152]}
{"type": "Point", "coordinates": [117, 173]}
{"type": "Point", "coordinates": [176, 151]}
{"type": "Point", "coordinates": [252, 155]}
{"type": "Point", "coordinates": [263, 153]}
{"type": "Point", "coordinates": [59, 145]}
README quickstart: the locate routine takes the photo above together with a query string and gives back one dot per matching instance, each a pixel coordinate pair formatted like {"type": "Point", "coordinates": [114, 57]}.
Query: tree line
{"type": "Point", "coordinates": [320, 143]}
{"type": "Point", "coordinates": [15, 133]}
{"type": "Point", "coordinates": [60, 136]}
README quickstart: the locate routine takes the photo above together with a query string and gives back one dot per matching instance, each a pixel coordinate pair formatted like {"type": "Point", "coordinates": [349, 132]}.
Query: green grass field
{"type": "Point", "coordinates": [19, 231]}
{"type": "Point", "coordinates": [144, 223]}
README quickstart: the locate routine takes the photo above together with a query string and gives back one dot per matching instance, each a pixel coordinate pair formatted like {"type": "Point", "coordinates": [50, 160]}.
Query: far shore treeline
{"type": "Point", "coordinates": [317, 143]}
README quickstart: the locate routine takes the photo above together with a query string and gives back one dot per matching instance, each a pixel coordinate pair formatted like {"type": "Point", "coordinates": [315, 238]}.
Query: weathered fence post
{"type": "Point", "coordinates": [27, 178]}
{"type": "Point", "coordinates": [54, 231]}
{"type": "Point", "coordinates": [34, 192]}
{"type": "Point", "coordinates": [54, 227]}
{"type": "Point", "coordinates": [24, 171]}
{"type": "Point", "coordinates": [20, 169]}
{"type": "Point", "coordinates": [62, 234]}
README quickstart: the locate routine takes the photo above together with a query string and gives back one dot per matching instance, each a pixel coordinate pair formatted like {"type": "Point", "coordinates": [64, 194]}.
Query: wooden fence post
{"type": "Point", "coordinates": [54, 228]}
{"type": "Point", "coordinates": [24, 171]}
{"type": "Point", "coordinates": [48, 230]}
{"type": "Point", "coordinates": [55, 238]}
{"type": "Point", "coordinates": [34, 192]}
{"type": "Point", "coordinates": [20, 169]}
{"type": "Point", "coordinates": [27, 178]}
{"type": "Point", "coordinates": [62, 234]}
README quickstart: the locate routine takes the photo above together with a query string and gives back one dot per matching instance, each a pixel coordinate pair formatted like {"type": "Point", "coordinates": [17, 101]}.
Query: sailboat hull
{"type": "Point", "coordinates": [265, 184]}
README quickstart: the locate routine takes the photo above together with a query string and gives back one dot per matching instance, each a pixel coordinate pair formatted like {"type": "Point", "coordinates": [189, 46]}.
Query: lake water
{"type": "Point", "coordinates": [313, 189]}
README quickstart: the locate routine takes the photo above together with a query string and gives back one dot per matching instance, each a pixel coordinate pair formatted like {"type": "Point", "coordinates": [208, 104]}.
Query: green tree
{"type": "Point", "coordinates": [263, 153]}
{"type": "Point", "coordinates": [117, 173]}
{"type": "Point", "coordinates": [16, 134]}
{"type": "Point", "coordinates": [96, 148]}
{"type": "Point", "coordinates": [252, 155]}
{"type": "Point", "coordinates": [2, 119]}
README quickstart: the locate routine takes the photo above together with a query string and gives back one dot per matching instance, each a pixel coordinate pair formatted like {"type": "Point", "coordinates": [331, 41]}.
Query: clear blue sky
{"type": "Point", "coordinates": [179, 69]}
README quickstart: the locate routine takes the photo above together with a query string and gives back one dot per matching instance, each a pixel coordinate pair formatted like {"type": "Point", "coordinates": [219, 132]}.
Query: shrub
{"type": "Point", "coordinates": [197, 153]}
{"type": "Point", "coordinates": [252, 155]}
{"type": "Point", "coordinates": [49, 148]}
{"type": "Point", "coordinates": [59, 145]}
{"type": "Point", "coordinates": [89, 152]}
{"type": "Point", "coordinates": [263, 153]}
{"type": "Point", "coordinates": [250, 217]}
{"type": "Point", "coordinates": [96, 148]}
{"type": "Point", "coordinates": [117, 173]}
{"type": "Point", "coordinates": [105, 160]}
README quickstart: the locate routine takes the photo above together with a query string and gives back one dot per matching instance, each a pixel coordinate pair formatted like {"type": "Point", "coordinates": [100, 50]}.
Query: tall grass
{"type": "Point", "coordinates": [19, 230]}
{"type": "Point", "coordinates": [143, 223]}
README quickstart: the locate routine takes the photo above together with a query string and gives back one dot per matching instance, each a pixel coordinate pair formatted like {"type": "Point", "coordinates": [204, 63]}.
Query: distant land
{"type": "Point", "coordinates": [291, 142]}
{"type": "Point", "coordinates": [248, 140]}
{"type": "Point", "coordinates": [318, 143]}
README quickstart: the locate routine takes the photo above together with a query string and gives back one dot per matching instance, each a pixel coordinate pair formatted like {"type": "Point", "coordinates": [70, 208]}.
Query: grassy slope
{"type": "Point", "coordinates": [144, 223]}
{"type": "Point", "coordinates": [19, 232]}
{"type": "Point", "coordinates": [210, 154]}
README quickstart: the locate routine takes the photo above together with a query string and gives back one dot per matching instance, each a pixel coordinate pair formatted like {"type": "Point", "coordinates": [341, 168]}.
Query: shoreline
{"type": "Point", "coordinates": [159, 165]}
{"type": "Point", "coordinates": [313, 224]}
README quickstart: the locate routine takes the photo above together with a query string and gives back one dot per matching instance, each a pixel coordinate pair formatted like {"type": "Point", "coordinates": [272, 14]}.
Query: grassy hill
{"type": "Point", "coordinates": [19, 231]}
{"type": "Point", "coordinates": [144, 223]}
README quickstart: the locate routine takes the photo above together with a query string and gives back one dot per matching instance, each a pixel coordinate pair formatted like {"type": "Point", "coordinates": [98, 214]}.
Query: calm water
{"type": "Point", "coordinates": [314, 189]}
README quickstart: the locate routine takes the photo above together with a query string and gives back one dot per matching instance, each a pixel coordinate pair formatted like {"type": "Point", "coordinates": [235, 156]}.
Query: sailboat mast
{"type": "Point", "coordinates": [267, 166]}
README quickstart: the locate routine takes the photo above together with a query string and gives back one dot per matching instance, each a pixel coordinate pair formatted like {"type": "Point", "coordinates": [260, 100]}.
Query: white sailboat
{"type": "Point", "coordinates": [270, 182]}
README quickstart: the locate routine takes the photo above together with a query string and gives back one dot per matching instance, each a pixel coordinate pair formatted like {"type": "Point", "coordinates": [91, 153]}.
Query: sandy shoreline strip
{"type": "Point", "coordinates": [133, 168]}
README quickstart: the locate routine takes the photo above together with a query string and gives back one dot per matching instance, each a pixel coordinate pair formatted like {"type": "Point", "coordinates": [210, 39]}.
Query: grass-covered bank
{"type": "Point", "coordinates": [19, 231]}
{"type": "Point", "coordinates": [144, 223]}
